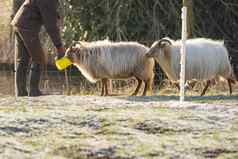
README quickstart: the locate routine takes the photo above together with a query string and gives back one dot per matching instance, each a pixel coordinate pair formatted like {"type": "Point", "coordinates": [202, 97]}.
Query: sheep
{"type": "Point", "coordinates": [206, 59]}
{"type": "Point", "coordinates": [103, 60]}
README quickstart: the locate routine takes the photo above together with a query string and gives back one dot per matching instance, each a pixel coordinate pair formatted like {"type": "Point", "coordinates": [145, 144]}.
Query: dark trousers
{"type": "Point", "coordinates": [29, 47]}
{"type": "Point", "coordinates": [23, 59]}
{"type": "Point", "coordinates": [28, 51]}
{"type": "Point", "coordinates": [22, 55]}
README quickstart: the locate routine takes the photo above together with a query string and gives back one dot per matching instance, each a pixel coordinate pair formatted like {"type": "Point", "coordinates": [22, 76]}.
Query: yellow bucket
{"type": "Point", "coordinates": [63, 63]}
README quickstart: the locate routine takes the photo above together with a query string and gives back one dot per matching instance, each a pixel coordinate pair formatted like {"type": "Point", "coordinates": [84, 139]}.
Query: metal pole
{"type": "Point", "coordinates": [15, 65]}
{"type": "Point", "coordinates": [16, 4]}
{"type": "Point", "coordinates": [189, 5]}
{"type": "Point", "coordinates": [183, 53]}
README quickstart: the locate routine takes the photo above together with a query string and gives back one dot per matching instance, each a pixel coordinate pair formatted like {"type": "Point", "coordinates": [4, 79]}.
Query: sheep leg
{"type": "Point", "coordinates": [192, 84]}
{"type": "Point", "coordinates": [148, 87]}
{"type": "Point", "coordinates": [229, 81]}
{"type": "Point", "coordinates": [177, 85]}
{"type": "Point", "coordinates": [145, 88]}
{"type": "Point", "coordinates": [205, 88]}
{"type": "Point", "coordinates": [188, 85]}
{"type": "Point", "coordinates": [106, 89]}
{"type": "Point", "coordinates": [102, 92]}
{"type": "Point", "coordinates": [138, 87]}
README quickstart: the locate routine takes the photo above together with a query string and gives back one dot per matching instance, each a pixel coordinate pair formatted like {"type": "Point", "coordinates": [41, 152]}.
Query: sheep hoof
{"type": "Point", "coordinates": [202, 94]}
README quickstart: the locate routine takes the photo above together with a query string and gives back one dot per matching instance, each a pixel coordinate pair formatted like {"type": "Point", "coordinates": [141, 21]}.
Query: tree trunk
{"type": "Point", "coordinates": [189, 5]}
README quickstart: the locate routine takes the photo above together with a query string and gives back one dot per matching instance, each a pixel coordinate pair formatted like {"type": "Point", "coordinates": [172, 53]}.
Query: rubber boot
{"type": "Point", "coordinates": [35, 73]}
{"type": "Point", "coordinates": [21, 74]}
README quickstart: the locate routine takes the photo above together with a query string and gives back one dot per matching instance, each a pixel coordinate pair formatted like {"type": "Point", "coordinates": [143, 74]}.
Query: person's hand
{"type": "Point", "coordinates": [60, 53]}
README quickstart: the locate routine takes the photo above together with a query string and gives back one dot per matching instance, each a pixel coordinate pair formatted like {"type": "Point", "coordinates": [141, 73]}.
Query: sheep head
{"type": "Point", "coordinates": [74, 50]}
{"type": "Point", "coordinates": [158, 47]}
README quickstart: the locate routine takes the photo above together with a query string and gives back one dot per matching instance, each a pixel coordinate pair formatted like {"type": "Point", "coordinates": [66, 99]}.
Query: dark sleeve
{"type": "Point", "coordinates": [48, 11]}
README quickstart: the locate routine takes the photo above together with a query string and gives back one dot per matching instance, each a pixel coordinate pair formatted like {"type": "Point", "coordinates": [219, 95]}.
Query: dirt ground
{"type": "Point", "coordinates": [118, 127]}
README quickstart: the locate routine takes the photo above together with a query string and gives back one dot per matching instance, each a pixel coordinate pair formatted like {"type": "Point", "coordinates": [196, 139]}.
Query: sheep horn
{"type": "Point", "coordinates": [164, 40]}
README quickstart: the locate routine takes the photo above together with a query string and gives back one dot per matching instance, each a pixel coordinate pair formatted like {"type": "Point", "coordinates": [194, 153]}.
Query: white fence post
{"type": "Point", "coordinates": [183, 53]}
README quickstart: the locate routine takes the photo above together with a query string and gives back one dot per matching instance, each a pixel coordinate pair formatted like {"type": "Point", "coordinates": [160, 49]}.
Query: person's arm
{"type": "Point", "coordinates": [48, 11]}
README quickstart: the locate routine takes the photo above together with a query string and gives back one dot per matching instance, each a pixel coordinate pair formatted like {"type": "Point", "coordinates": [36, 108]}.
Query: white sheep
{"type": "Point", "coordinates": [206, 59]}
{"type": "Point", "coordinates": [103, 60]}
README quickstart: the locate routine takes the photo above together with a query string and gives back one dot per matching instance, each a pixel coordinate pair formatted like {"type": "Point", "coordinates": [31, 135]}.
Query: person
{"type": "Point", "coordinates": [27, 23]}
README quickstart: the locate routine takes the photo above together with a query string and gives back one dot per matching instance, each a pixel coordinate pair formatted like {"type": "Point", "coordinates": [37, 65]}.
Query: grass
{"type": "Point", "coordinates": [116, 127]}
